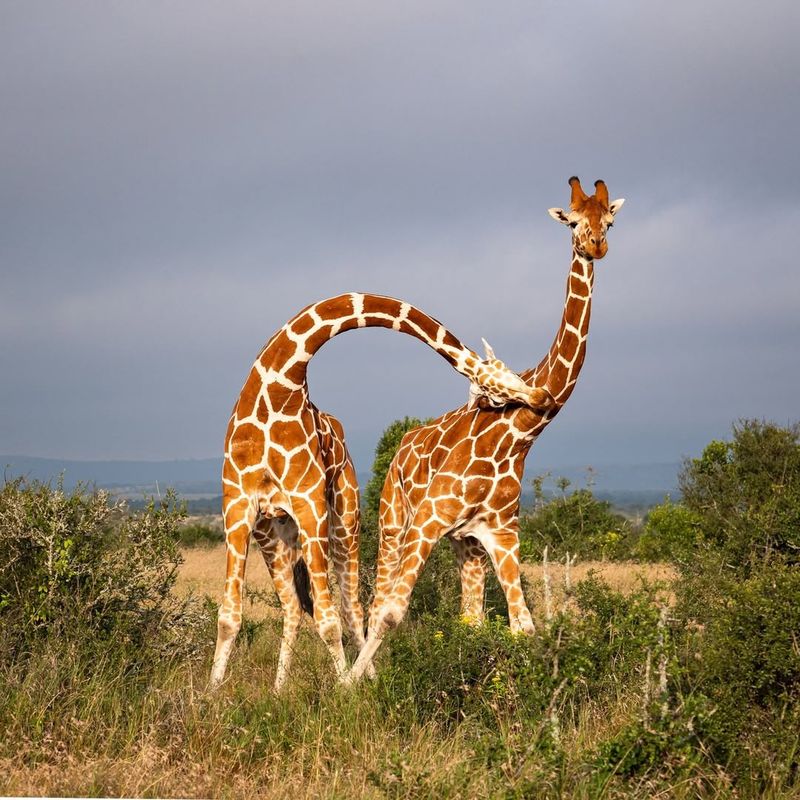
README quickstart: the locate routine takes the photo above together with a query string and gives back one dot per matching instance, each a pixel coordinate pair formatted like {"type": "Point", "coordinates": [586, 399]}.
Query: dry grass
{"type": "Point", "coordinates": [428, 760]}
{"type": "Point", "coordinates": [622, 576]}
{"type": "Point", "coordinates": [203, 573]}
{"type": "Point", "coordinates": [317, 742]}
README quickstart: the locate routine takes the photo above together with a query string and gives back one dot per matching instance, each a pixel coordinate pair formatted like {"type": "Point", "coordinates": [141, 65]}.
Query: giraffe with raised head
{"type": "Point", "coordinates": [287, 476]}
{"type": "Point", "coordinates": [460, 476]}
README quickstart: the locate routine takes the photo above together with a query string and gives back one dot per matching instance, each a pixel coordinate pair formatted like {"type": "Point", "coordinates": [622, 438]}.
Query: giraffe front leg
{"type": "Point", "coordinates": [503, 549]}
{"type": "Point", "coordinates": [472, 558]}
{"type": "Point", "coordinates": [278, 547]}
{"type": "Point", "coordinates": [239, 517]}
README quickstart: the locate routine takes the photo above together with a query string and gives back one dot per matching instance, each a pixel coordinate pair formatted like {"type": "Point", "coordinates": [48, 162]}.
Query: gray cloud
{"type": "Point", "coordinates": [180, 179]}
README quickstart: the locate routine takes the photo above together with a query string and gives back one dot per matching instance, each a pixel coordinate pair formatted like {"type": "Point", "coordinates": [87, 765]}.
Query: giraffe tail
{"type": "Point", "coordinates": [302, 585]}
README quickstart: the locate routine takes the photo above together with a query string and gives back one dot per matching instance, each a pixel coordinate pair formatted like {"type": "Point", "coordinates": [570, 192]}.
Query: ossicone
{"type": "Point", "coordinates": [578, 195]}
{"type": "Point", "coordinates": [601, 193]}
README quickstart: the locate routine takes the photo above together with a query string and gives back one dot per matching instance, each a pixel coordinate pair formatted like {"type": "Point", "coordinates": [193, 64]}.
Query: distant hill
{"type": "Point", "coordinates": [188, 476]}
{"type": "Point", "coordinates": [625, 485]}
{"type": "Point", "coordinates": [661, 476]}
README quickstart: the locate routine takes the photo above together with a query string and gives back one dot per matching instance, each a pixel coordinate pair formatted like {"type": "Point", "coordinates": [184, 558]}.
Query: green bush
{"type": "Point", "coordinates": [574, 522]}
{"type": "Point", "coordinates": [199, 534]}
{"type": "Point", "coordinates": [738, 599]}
{"type": "Point", "coordinates": [672, 532]}
{"type": "Point", "coordinates": [666, 743]}
{"type": "Point", "coordinates": [446, 670]}
{"type": "Point", "coordinates": [732, 704]}
{"type": "Point", "coordinates": [745, 494]}
{"type": "Point", "coordinates": [748, 654]}
{"type": "Point", "coordinates": [78, 567]}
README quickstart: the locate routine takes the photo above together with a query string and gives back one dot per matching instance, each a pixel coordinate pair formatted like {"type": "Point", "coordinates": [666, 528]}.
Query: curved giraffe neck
{"type": "Point", "coordinates": [559, 369]}
{"type": "Point", "coordinates": [285, 357]}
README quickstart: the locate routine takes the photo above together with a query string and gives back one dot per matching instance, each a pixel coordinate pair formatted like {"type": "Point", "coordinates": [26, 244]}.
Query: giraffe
{"type": "Point", "coordinates": [460, 475]}
{"type": "Point", "coordinates": [287, 476]}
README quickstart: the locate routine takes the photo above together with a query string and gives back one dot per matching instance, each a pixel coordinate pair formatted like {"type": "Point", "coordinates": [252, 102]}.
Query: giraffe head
{"type": "Point", "coordinates": [589, 218]}
{"type": "Point", "coordinates": [495, 386]}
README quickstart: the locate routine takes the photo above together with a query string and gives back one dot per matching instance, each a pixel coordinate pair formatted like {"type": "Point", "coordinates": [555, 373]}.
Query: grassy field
{"type": "Point", "coordinates": [203, 572]}
{"type": "Point", "coordinates": [640, 682]}
{"type": "Point", "coordinates": [87, 728]}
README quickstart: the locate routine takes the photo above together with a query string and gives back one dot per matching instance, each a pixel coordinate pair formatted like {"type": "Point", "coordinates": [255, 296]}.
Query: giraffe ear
{"type": "Point", "coordinates": [615, 206]}
{"type": "Point", "coordinates": [559, 215]}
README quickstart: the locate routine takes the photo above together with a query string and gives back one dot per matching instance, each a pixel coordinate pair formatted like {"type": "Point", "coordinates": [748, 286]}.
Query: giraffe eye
{"type": "Point", "coordinates": [610, 225]}
{"type": "Point", "coordinates": [573, 225]}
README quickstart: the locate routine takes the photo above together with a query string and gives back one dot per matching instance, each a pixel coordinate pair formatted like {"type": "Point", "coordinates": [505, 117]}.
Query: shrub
{"type": "Point", "coordinates": [574, 522]}
{"type": "Point", "coordinates": [738, 597]}
{"type": "Point", "coordinates": [748, 653]}
{"type": "Point", "coordinates": [671, 532]}
{"type": "Point", "coordinates": [666, 743]}
{"type": "Point", "coordinates": [78, 567]}
{"type": "Point", "coordinates": [199, 534]}
{"type": "Point", "coordinates": [448, 671]}
{"type": "Point", "coordinates": [745, 494]}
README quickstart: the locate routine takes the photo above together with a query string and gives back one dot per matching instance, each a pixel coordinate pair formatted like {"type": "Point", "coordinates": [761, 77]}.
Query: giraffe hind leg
{"type": "Point", "coordinates": [312, 523]}
{"type": "Point", "coordinates": [392, 525]}
{"type": "Point", "coordinates": [417, 546]}
{"type": "Point", "coordinates": [239, 518]}
{"type": "Point", "coordinates": [278, 543]}
{"type": "Point", "coordinates": [344, 518]}
{"type": "Point", "coordinates": [503, 549]}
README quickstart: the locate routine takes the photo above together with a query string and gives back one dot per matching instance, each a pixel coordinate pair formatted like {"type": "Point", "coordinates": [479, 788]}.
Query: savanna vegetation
{"type": "Point", "coordinates": [688, 687]}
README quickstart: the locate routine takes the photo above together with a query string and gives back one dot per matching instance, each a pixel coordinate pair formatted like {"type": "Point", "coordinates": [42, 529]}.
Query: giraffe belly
{"type": "Point", "coordinates": [462, 529]}
{"type": "Point", "coordinates": [273, 504]}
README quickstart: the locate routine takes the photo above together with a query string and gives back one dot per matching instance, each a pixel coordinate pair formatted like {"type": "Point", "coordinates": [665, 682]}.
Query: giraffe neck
{"type": "Point", "coordinates": [284, 359]}
{"type": "Point", "coordinates": [560, 368]}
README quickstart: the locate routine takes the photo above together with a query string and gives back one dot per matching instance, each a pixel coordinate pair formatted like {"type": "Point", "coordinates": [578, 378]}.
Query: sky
{"type": "Point", "coordinates": [179, 179]}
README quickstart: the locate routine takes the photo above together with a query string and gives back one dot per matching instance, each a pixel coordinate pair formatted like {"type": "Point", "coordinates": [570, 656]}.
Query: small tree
{"type": "Point", "coordinates": [671, 533]}
{"type": "Point", "coordinates": [745, 494]}
{"type": "Point", "coordinates": [79, 567]}
{"type": "Point", "coordinates": [573, 521]}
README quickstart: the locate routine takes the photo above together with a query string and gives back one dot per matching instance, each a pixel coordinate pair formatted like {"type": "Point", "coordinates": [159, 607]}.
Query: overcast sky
{"type": "Point", "coordinates": [180, 178]}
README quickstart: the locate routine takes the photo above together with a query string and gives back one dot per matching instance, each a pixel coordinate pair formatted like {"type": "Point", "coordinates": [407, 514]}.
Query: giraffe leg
{"type": "Point", "coordinates": [472, 559]}
{"type": "Point", "coordinates": [389, 552]}
{"type": "Point", "coordinates": [417, 547]}
{"type": "Point", "coordinates": [278, 546]}
{"type": "Point", "coordinates": [392, 527]}
{"type": "Point", "coordinates": [313, 535]}
{"type": "Point", "coordinates": [503, 549]}
{"type": "Point", "coordinates": [344, 532]}
{"type": "Point", "coordinates": [239, 518]}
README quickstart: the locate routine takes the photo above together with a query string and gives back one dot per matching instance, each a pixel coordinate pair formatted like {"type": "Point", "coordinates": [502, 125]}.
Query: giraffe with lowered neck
{"type": "Point", "coordinates": [460, 476]}
{"type": "Point", "coordinates": [287, 476]}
